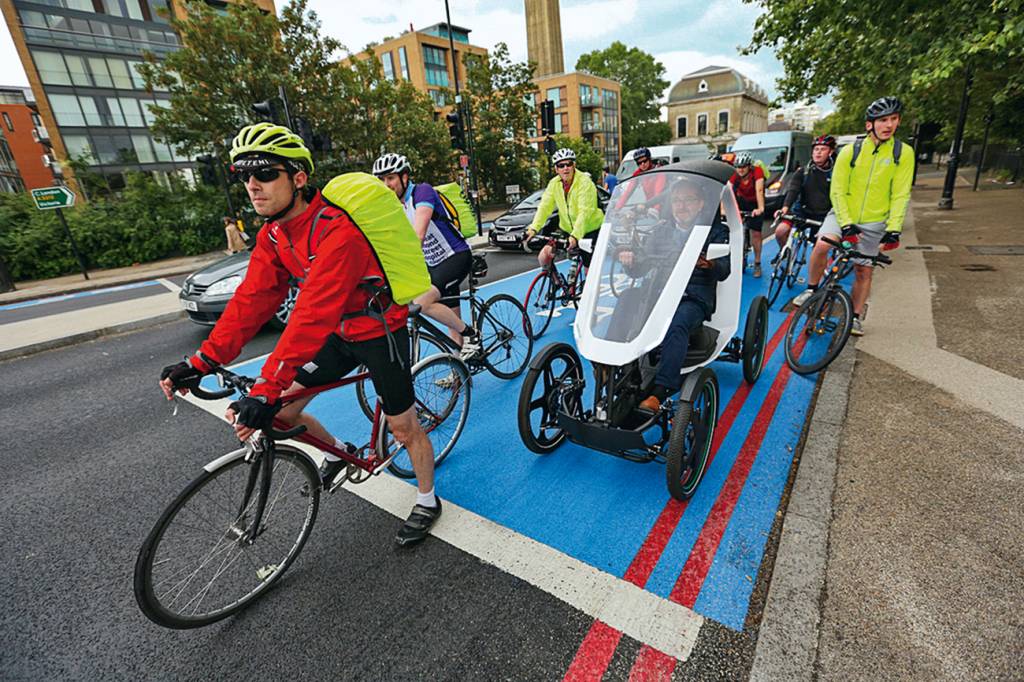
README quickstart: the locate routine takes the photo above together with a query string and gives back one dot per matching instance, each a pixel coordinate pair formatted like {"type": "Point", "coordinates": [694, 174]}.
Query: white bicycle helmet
{"type": "Point", "coordinates": [563, 154]}
{"type": "Point", "coordinates": [391, 163]}
{"type": "Point", "coordinates": [743, 159]}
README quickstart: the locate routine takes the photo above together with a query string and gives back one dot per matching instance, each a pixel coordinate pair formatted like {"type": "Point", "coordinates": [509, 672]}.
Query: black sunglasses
{"type": "Point", "coordinates": [565, 164]}
{"type": "Point", "coordinates": [261, 174]}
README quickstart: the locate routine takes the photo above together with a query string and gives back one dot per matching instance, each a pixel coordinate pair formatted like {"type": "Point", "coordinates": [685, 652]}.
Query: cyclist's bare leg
{"type": "Point", "coordinates": [861, 287]}
{"type": "Point", "coordinates": [406, 429]}
{"type": "Point", "coordinates": [755, 242]}
{"type": "Point", "coordinates": [545, 256]}
{"type": "Point", "coordinates": [782, 233]}
{"type": "Point", "coordinates": [293, 414]}
{"type": "Point", "coordinates": [442, 313]}
{"type": "Point", "coordinates": [819, 257]}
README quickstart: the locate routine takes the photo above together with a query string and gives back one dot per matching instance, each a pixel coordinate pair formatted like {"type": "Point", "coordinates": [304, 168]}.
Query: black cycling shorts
{"type": "Point", "coordinates": [392, 380]}
{"type": "Point", "coordinates": [449, 274]}
{"type": "Point", "coordinates": [752, 222]}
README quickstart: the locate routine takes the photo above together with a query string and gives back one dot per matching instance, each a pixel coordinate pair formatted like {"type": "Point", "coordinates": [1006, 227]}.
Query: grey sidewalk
{"type": "Point", "coordinates": [901, 555]}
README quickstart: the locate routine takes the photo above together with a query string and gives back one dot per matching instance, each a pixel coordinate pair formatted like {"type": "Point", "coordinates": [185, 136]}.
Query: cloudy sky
{"type": "Point", "coordinates": [684, 35]}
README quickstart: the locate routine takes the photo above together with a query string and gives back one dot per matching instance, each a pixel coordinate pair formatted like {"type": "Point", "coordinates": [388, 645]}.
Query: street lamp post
{"type": "Point", "coordinates": [946, 202]}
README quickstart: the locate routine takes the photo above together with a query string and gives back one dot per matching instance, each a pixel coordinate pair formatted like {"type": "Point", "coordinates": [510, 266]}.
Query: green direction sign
{"type": "Point", "coordinates": [53, 197]}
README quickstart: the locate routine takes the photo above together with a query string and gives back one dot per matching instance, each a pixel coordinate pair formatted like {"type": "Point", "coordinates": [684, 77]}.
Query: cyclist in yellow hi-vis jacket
{"type": "Point", "coordinates": [870, 191]}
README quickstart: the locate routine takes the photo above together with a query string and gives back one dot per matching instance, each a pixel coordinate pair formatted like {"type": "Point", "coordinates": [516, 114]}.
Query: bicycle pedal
{"type": "Point", "coordinates": [801, 280]}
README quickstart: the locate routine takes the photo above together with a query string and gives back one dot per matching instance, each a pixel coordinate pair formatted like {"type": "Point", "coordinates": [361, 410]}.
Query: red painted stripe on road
{"type": "Point", "coordinates": [691, 579]}
{"type": "Point", "coordinates": [652, 665]}
{"type": "Point", "coordinates": [594, 654]}
{"type": "Point", "coordinates": [657, 539]}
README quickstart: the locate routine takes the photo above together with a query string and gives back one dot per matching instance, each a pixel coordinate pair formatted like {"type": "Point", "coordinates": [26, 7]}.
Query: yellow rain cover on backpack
{"type": "Point", "coordinates": [457, 207]}
{"type": "Point", "coordinates": [379, 215]}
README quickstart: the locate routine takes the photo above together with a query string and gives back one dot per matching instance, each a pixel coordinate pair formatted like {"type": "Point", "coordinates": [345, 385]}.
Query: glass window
{"type": "Point", "coordinates": [100, 75]}
{"type": "Point", "coordinates": [116, 117]}
{"type": "Point", "coordinates": [158, 10]}
{"type": "Point", "coordinates": [51, 68]}
{"type": "Point", "coordinates": [435, 63]}
{"type": "Point", "coordinates": [113, 8]}
{"type": "Point", "coordinates": [76, 66]}
{"type": "Point", "coordinates": [723, 122]}
{"type": "Point", "coordinates": [114, 149]}
{"type": "Point", "coordinates": [66, 110]}
{"type": "Point", "coordinates": [80, 5]}
{"type": "Point", "coordinates": [702, 124]}
{"type": "Point", "coordinates": [119, 72]}
{"type": "Point", "coordinates": [163, 152]}
{"type": "Point", "coordinates": [558, 122]}
{"type": "Point", "coordinates": [388, 63]}
{"type": "Point", "coordinates": [681, 126]}
{"type": "Point", "coordinates": [134, 11]}
{"type": "Point", "coordinates": [132, 113]}
{"type": "Point", "coordinates": [78, 146]}
{"type": "Point", "coordinates": [7, 122]}
{"type": "Point", "coordinates": [552, 94]}
{"type": "Point", "coordinates": [101, 31]}
{"type": "Point", "coordinates": [143, 148]}
{"type": "Point", "coordinates": [147, 111]}
{"type": "Point", "coordinates": [403, 62]}
{"type": "Point", "coordinates": [29, 18]}
{"type": "Point", "coordinates": [438, 97]}
{"type": "Point", "coordinates": [92, 114]}
{"type": "Point", "coordinates": [137, 79]}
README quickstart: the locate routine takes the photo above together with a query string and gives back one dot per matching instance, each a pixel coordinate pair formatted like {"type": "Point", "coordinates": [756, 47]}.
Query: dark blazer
{"type": "Point", "coordinates": [703, 284]}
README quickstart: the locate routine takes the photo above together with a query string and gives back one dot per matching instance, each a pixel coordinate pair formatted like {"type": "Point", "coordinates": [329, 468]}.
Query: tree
{"type": "Point", "coordinates": [642, 81]}
{"type": "Point", "coordinates": [920, 52]}
{"type": "Point", "coordinates": [503, 121]}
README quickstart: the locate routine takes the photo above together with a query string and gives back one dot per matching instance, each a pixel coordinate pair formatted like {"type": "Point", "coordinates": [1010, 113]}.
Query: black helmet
{"type": "Point", "coordinates": [883, 106]}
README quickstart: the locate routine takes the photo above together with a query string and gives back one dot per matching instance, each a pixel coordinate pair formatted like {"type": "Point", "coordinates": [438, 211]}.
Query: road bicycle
{"type": "Point", "coordinates": [506, 340]}
{"type": "Point", "coordinates": [820, 327]}
{"type": "Point", "coordinates": [793, 255]}
{"type": "Point", "coordinates": [551, 288]}
{"type": "Point", "coordinates": [237, 527]}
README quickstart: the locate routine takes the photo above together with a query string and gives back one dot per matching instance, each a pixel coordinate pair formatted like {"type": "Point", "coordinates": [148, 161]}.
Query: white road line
{"type": "Point", "coordinates": [644, 616]}
{"type": "Point", "coordinates": [169, 284]}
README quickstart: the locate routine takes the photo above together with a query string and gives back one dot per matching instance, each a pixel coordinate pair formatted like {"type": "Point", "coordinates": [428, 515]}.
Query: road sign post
{"type": "Point", "coordinates": [56, 198]}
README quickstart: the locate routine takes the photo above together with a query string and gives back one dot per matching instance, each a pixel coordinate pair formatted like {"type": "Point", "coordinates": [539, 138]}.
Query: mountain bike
{"type": "Point", "coordinates": [550, 287]}
{"type": "Point", "coordinates": [793, 255]}
{"type": "Point", "coordinates": [234, 530]}
{"type": "Point", "coordinates": [820, 327]}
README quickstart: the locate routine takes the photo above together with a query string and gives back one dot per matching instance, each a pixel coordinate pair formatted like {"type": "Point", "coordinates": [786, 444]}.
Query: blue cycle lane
{"type": "Point", "coordinates": [603, 510]}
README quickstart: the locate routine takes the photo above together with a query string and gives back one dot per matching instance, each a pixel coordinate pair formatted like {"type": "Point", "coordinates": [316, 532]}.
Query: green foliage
{"type": "Point", "coordinates": [502, 121]}
{"type": "Point", "coordinates": [919, 52]}
{"type": "Point", "coordinates": [588, 159]}
{"type": "Point", "coordinates": [643, 83]}
{"type": "Point", "coordinates": [147, 222]}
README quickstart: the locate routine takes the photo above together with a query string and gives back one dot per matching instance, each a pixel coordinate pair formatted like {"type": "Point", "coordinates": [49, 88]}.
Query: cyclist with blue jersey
{"type": "Point", "coordinates": [448, 255]}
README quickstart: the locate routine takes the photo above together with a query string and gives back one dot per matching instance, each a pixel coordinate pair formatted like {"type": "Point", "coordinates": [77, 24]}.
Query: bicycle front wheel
{"type": "Point", "coordinates": [818, 330]}
{"type": "Point", "coordinates": [204, 560]}
{"type": "Point", "coordinates": [778, 275]}
{"type": "Point", "coordinates": [505, 335]}
{"type": "Point", "coordinates": [442, 385]}
{"type": "Point", "coordinates": [796, 263]}
{"type": "Point", "coordinates": [541, 299]}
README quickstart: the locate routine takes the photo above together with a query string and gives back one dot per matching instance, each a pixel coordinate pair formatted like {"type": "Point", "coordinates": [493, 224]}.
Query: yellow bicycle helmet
{"type": "Point", "coordinates": [268, 139]}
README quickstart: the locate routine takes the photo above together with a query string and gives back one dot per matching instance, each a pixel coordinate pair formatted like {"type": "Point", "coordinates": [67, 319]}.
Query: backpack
{"type": "Point", "coordinates": [897, 149]}
{"type": "Point", "coordinates": [457, 208]}
{"type": "Point", "coordinates": [379, 215]}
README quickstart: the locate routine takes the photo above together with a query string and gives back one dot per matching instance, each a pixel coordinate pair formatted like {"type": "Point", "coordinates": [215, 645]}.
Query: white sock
{"type": "Point", "coordinates": [330, 456]}
{"type": "Point", "coordinates": [427, 499]}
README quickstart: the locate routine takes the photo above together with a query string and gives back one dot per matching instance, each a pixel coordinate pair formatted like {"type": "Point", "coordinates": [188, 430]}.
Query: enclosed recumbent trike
{"type": "Point", "coordinates": [656, 228]}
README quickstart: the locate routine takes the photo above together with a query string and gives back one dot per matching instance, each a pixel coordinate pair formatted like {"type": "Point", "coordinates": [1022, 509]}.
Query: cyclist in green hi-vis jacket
{"type": "Point", "coordinates": [870, 191]}
{"type": "Point", "coordinates": [574, 194]}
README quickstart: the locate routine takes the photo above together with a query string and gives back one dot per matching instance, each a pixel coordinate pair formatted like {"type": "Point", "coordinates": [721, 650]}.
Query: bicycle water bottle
{"type": "Point", "coordinates": [572, 270]}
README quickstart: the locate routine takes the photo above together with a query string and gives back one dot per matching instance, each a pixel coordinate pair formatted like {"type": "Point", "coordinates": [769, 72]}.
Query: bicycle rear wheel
{"type": "Point", "coordinates": [796, 263]}
{"type": "Point", "coordinates": [424, 344]}
{"type": "Point", "coordinates": [203, 561]}
{"type": "Point", "coordinates": [778, 275]}
{"type": "Point", "coordinates": [505, 335]}
{"type": "Point", "coordinates": [541, 299]}
{"type": "Point", "coordinates": [442, 385]}
{"type": "Point", "coordinates": [818, 330]}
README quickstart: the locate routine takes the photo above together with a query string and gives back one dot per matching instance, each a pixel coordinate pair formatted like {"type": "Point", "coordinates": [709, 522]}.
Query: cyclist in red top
{"type": "Point", "coordinates": [327, 334]}
{"type": "Point", "coordinates": [748, 186]}
{"type": "Point", "coordinates": [652, 186]}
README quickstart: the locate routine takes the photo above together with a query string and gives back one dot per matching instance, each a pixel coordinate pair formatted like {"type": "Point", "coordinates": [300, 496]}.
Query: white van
{"type": "Point", "coordinates": [669, 153]}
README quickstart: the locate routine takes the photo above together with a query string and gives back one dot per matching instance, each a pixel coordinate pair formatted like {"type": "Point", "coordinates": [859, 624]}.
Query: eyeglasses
{"type": "Point", "coordinates": [644, 160]}
{"type": "Point", "coordinates": [261, 174]}
{"type": "Point", "coordinates": [564, 164]}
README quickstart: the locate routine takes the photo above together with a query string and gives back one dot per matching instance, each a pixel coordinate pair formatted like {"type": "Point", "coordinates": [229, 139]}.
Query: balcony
{"type": "Point", "coordinates": [592, 127]}
{"type": "Point", "coordinates": [589, 101]}
{"type": "Point", "coordinates": [41, 135]}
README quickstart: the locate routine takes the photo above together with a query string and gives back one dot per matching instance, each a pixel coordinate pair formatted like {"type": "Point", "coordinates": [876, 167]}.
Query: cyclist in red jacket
{"type": "Point", "coordinates": [327, 334]}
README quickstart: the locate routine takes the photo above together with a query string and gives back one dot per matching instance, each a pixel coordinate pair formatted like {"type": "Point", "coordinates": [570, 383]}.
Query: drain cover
{"type": "Point", "coordinates": [933, 248]}
{"type": "Point", "coordinates": [978, 267]}
{"type": "Point", "coordinates": [1012, 250]}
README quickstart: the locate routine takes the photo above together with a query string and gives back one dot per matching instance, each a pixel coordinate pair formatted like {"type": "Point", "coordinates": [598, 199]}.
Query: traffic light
{"type": "Point", "coordinates": [207, 169]}
{"type": "Point", "coordinates": [267, 110]}
{"type": "Point", "coordinates": [549, 146]}
{"type": "Point", "coordinates": [304, 130]}
{"type": "Point", "coordinates": [455, 130]}
{"type": "Point", "coordinates": [547, 117]}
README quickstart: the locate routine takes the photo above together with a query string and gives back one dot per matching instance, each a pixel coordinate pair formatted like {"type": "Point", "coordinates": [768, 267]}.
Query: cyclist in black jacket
{"type": "Point", "coordinates": [807, 193]}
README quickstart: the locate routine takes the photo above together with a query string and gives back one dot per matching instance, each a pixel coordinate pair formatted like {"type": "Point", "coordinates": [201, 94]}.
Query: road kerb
{"type": "Point", "coordinates": [787, 641]}
{"type": "Point", "coordinates": [91, 335]}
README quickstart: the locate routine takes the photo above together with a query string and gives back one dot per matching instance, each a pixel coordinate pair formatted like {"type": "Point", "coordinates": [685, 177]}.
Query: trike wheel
{"type": "Point", "coordinates": [553, 384]}
{"type": "Point", "coordinates": [441, 384]}
{"type": "Point", "coordinates": [505, 335]}
{"type": "Point", "coordinates": [689, 444]}
{"type": "Point", "coordinates": [541, 299]}
{"type": "Point", "coordinates": [203, 560]}
{"type": "Point", "coordinates": [818, 330]}
{"type": "Point", "coordinates": [755, 338]}
{"type": "Point", "coordinates": [424, 345]}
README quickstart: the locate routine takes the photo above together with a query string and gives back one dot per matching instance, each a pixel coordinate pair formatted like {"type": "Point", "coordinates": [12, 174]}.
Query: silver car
{"type": "Point", "coordinates": [206, 292]}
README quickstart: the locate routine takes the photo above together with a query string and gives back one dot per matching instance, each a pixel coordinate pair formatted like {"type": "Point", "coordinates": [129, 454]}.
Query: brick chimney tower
{"type": "Point", "coordinates": [544, 36]}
